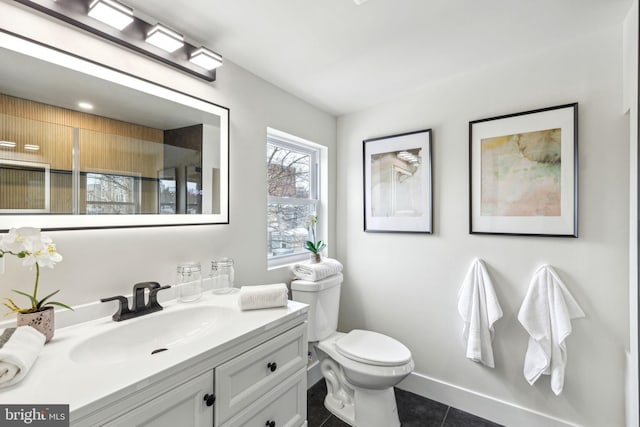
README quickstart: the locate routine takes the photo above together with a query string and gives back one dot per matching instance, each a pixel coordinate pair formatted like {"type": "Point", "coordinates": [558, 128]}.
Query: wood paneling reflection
{"type": "Point", "coordinates": [22, 188]}
{"type": "Point", "coordinates": [25, 189]}
{"type": "Point", "coordinates": [100, 152]}
{"type": "Point", "coordinates": [105, 146]}
{"type": "Point", "coordinates": [55, 141]}
{"type": "Point", "coordinates": [31, 110]}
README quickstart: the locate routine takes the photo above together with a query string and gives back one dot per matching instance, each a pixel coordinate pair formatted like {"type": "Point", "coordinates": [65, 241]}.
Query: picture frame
{"type": "Point", "coordinates": [523, 173]}
{"type": "Point", "coordinates": [398, 183]}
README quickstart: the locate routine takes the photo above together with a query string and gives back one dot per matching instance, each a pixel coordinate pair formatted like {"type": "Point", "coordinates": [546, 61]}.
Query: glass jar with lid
{"type": "Point", "coordinates": [189, 281]}
{"type": "Point", "coordinates": [222, 276]}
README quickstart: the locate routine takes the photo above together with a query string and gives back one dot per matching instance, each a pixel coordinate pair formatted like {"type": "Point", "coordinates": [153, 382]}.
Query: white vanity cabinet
{"type": "Point", "coordinates": [226, 367]}
{"type": "Point", "coordinates": [265, 386]}
{"type": "Point", "coordinates": [185, 405]}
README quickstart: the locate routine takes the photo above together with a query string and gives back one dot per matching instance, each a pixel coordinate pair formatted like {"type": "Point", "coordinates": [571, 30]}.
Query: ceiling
{"type": "Point", "coordinates": [343, 58]}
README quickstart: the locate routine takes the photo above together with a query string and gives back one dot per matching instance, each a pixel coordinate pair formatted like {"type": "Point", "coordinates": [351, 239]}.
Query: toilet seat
{"type": "Point", "coordinates": [362, 373]}
{"type": "Point", "coordinates": [372, 348]}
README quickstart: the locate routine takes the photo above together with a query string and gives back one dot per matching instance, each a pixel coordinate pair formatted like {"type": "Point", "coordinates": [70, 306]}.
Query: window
{"type": "Point", "coordinates": [112, 194]}
{"type": "Point", "coordinates": [292, 196]}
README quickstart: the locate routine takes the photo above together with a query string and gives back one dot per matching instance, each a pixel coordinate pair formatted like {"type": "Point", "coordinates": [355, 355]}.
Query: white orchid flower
{"type": "Point", "coordinates": [36, 249]}
{"type": "Point", "coordinates": [41, 251]}
{"type": "Point", "coordinates": [52, 256]}
{"type": "Point", "coordinates": [15, 241]}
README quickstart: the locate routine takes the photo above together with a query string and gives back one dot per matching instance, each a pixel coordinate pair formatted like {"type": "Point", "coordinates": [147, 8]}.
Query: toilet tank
{"type": "Point", "coordinates": [323, 298]}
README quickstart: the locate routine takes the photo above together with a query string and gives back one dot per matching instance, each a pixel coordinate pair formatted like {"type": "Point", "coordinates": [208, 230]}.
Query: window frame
{"type": "Point", "coordinates": [314, 151]}
{"type": "Point", "coordinates": [46, 170]}
{"type": "Point", "coordinates": [136, 195]}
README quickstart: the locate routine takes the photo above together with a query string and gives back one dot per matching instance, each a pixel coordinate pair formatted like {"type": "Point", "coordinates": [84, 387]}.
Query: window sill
{"type": "Point", "coordinates": [286, 261]}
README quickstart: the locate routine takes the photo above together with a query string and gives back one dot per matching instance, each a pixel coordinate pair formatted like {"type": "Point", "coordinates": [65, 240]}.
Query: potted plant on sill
{"type": "Point", "coordinates": [36, 250]}
{"type": "Point", "coordinates": [313, 246]}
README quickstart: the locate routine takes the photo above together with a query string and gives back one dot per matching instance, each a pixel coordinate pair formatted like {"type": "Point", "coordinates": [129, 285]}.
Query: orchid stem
{"type": "Point", "coordinates": [35, 289]}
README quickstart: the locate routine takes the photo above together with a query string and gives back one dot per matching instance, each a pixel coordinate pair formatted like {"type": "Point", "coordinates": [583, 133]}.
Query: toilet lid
{"type": "Point", "coordinates": [373, 348]}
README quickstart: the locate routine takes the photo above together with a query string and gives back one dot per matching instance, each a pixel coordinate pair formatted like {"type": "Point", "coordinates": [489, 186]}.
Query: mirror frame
{"type": "Point", "coordinates": [25, 46]}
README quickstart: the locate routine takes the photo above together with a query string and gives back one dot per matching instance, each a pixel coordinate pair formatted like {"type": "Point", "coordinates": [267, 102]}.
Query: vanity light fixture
{"type": "Point", "coordinates": [31, 147]}
{"type": "Point", "coordinates": [85, 105]}
{"type": "Point", "coordinates": [8, 144]}
{"type": "Point", "coordinates": [206, 58]}
{"type": "Point", "coordinates": [117, 23]}
{"type": "Point", "coordinates": [165, 38]}
{"type": "Point", "coordinates": [111, 13]}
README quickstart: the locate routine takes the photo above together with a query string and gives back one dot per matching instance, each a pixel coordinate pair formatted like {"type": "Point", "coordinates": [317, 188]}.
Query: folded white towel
{"type": "Point", "coordinates": [546, 314]}
{"type": "Point", "coordinates": [315, 272]}
{"type": "Point", "coordinates": [263, 296]}
{"type": "Point", "coordinates": [19, 349]}
{"type": "Point", "coordinates": [479, 308]}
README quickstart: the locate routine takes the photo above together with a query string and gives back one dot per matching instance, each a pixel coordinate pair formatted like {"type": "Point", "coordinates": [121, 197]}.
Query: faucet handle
{"type": "Point", "coordinates": [123, 307]}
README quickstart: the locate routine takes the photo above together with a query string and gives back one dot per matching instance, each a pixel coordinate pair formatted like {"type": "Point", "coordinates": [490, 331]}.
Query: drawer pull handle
{"type": "Point", "coordinates": [272, 367]}
{"type": "Point", "coordinates": [270, 424]}
{"type": "Point", "coordinates": [209, 399]}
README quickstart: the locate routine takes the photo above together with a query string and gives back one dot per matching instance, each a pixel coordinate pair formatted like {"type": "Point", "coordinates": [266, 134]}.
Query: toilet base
{"type": "Point", "coordinates": [369, 408]}
{"type": "Point", "coordinates": [342, 410]}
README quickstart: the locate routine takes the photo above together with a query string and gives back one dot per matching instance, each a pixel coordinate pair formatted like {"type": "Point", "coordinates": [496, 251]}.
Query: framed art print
{"type": "Point", "coordinates": [398, 183]}
{"type": "Point", "coordinates": [523, 173]}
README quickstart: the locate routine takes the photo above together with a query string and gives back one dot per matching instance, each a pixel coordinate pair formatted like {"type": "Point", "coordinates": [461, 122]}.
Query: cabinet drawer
{"type": "Point", "coordinates": [285, 406]}
{"type": "Point", "coordinates": [243, 380]}
{"type": "Point", "coordinates": [183, 405]}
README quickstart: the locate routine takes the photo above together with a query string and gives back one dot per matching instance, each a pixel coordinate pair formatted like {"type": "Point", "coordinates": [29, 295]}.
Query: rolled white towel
{"type": "Point", "coordinates": [263, 296]}
{"type": "Point", "coordinates": [19, 349]}
{"type": "Point", "coordinates": [315, 272]}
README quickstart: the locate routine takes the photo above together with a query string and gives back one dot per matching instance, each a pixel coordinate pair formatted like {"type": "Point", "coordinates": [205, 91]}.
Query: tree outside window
{"type": "Point", "coordinates": [292, 186]}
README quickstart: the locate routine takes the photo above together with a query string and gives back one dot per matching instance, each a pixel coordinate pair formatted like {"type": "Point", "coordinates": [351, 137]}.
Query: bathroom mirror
{"type": "Point", "coordinates": [85, 146]}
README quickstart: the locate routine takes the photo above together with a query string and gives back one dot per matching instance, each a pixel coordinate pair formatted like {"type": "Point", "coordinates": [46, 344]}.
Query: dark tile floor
{"type": "Point", "coordinates": [413, 410]}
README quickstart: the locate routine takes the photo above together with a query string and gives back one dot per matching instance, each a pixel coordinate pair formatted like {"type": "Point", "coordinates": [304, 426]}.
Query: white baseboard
{"type": "Point", "coordinates": [313, 374]}
{"type": "Point", "coordinates": [478, 404]}
{"type": "Point", "coordinates": [631, 392]}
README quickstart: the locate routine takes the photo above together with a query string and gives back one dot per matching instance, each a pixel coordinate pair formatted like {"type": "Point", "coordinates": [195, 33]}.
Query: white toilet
{"type": "Point", "coordinates": [360, 367]}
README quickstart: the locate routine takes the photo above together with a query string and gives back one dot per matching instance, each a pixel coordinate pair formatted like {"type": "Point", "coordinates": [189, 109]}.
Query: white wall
{"type": "Point", "coordinates": [410, 292]}
{"type": "Point", "coordinates": [103, 263]}
{"type": "Point", "coordinates": [630, 107]}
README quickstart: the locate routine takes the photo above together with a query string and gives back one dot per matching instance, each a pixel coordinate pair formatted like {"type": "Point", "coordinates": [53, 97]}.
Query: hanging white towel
{"type": "Point", "coordinates": [315, 272]}
{"type": "Point", "coordinates": [19, 349]}
{"type": "Point", "coordinates": [546, 314]}
{"type": "Point", "coordinates": [479, 308]}
{"type": "Point", "coordinates": [263, 296]}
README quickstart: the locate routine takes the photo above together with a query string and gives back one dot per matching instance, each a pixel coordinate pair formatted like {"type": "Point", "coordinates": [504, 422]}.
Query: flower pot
{"type": "Point", "coordinates": [42, 321]}
{"type": "Point", "coordinates": [316, 258]}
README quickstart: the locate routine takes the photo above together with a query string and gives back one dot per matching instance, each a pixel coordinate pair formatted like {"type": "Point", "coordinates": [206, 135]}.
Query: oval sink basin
{"type": "Point", "coordinates": [149, 334]}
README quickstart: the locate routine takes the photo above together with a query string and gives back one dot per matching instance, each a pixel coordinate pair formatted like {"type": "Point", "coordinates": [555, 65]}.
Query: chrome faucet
{"type": "Point", "coordinates": [138, 306]}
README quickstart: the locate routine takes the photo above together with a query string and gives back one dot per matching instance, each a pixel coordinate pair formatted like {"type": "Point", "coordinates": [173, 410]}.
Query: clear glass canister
{"type": "Point", "coordinates": [189, 281]}
{"type": "Point", "coordinates": [222, 275]}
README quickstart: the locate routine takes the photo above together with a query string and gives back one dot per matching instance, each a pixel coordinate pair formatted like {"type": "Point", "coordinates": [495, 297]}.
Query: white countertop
{"type": "Point", "coordinates": [87, 385]}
